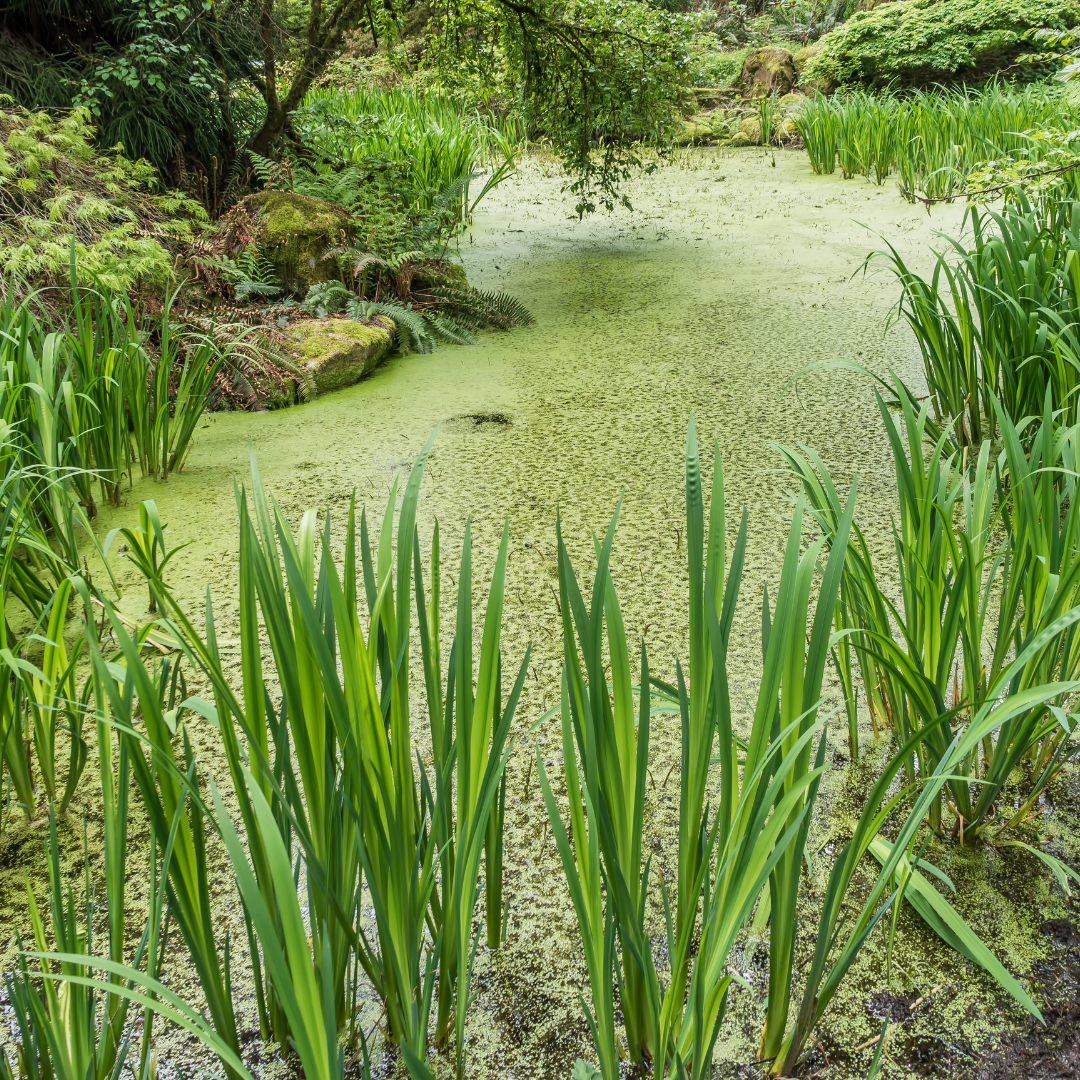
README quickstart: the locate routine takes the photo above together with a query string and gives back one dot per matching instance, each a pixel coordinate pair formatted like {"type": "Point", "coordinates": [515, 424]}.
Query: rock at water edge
{"type": "Point", "coordinates": [337, 352]}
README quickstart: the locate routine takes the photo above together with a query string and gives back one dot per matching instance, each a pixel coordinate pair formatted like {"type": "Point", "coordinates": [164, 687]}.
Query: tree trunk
{"type": "Point", "coordinates": [324, 35]}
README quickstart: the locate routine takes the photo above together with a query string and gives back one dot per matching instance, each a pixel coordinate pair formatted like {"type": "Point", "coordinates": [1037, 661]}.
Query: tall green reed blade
{"type": "Point", "coordinates": [53, 697]}
{"type": "Point", "coordinates": [165, 789]}
{"type": "Point", "coordinates": [100, 343]}
{"type": "Point", "coordinates": [770, 801]}
{"type": "Point", "coordinates": [714, 586]}
{"type": "Point", "coordinates": [580, 855]}
{"type": "Point", "coordinates": [613, 748]}
{"type": "Point", "coordinates": [1040, 583]}
{"type": "Point", "coordinates": [794, 702]}
{"type": "Point", "coordinates": [861, 608]}
{"type": "Point", "coordinates": [483, 725]}
{"type": "Point", "coordinates": [15, 728]}
{"type": "Point", "coordinates": [302, 983]}
{"type": "Point", "coordinates": [946, 921]}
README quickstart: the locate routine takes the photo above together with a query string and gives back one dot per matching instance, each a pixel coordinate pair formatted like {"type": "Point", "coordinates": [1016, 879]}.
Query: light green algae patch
{"type": "Point", "coordinates": [735, 270]}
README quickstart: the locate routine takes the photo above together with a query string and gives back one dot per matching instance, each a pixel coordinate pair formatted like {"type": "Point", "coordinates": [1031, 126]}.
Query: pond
{"type": "Point", "coordinates": [735, 270]}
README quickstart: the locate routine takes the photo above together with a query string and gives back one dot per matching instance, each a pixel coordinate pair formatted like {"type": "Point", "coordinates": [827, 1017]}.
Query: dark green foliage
{"type": "Point", "coordinates": [477, 310]}
{"type": "Point", "coordinates": [923, 40]}
{"type": "Point", "coordinates": [598, 80]}
{"type": "Point", "coordinates": [416, 329]}
{"type": "Point", "coordinates": [156, 76]}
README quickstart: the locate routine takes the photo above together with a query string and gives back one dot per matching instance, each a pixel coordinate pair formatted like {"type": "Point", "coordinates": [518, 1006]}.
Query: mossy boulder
{"type": "Point", "coordinates": [337, 352]}
{"type": "Point", "coordinates": [770, 70]}
{"type": "Point", "coordinates": [694, 132]}
{"type": "Point", "coordinates": [751, 128]}
{"type": "Point", "coordinates": [740, 138]}
{"type": "Point", "coordinates": [295, 233]}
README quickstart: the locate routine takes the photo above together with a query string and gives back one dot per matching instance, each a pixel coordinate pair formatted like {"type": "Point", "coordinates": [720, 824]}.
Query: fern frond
{"type": "Point", "coordinates": [246, 289]}
{"type": "Point", "coordinates": [416, 331]}
{"type": "Point", "coordinates": [478, 309]}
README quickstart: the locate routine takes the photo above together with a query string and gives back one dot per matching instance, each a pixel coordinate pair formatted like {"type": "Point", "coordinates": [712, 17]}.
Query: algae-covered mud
{"type": "Point", "coordinates": [734, 271]}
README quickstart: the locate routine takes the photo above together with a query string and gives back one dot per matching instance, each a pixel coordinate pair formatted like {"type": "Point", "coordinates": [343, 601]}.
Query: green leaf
{"type": "Point", "coordinates": [950, 926]}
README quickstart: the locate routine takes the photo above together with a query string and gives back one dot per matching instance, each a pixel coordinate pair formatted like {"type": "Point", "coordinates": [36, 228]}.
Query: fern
{"type": "Point", "coordinates": [246, 289]}
{"type": "Point", "coordinates": [269, 171]}
{"type": "Point", "coordinates": [324, 297]}
{"type": "Point", "coordinates": [480, 310]}
{"type": "Point", "coordinates": [416, 330]}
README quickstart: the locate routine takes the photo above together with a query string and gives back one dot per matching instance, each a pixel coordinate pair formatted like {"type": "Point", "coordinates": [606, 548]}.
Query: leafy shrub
{"type": "Point", "coordinates": [916, 40]}
{"type": "Point", "coordinates": [710, 65]}
{"type": "Point", "coordinates": [324, 297]}
{"type": "Point", "coordinates": [55, 187]}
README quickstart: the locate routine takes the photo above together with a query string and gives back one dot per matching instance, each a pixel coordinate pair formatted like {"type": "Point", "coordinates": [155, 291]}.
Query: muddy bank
{"type": "Point", "coordinates": [735, 270]}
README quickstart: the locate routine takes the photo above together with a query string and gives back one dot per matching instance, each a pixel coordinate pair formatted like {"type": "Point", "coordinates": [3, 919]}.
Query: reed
{"type": "Point", "coordinates": [925, 657]}
{"type": "Point", "coordinates": [839, 941]}
{"type": "Point", "coordinates": [611, 737]}
{"type": "Point", "coordinates": [436, 141]}
{"type": "Point", "coordinates": [355, 807]}
{"type": "Point", "coordinates": [759, 827]}
{"type": "Point", "coordinates": [932, 138]}
{"type": "Point", "coordinates": [177, 815]}
{"type": "Point", "coordinates": [998, 319]}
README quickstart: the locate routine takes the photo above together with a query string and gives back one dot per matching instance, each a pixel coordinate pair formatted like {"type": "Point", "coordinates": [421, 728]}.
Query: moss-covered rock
{"type": "Point", "coordinates": [294, 232]}
{"type": "Point", "coordinates": [337, 352]}
{"type": "Point", "coordinates": [694, 132]}
{"type": "Point", "coordinates": [767, 71]}
{"type": "Point", "coordinates": [740, 138]}
{"type": "Point", "coordinates": [751, 128]}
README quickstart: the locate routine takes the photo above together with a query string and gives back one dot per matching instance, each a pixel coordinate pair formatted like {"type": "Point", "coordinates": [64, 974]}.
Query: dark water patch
{"type": "Point", "coordinates": [1061, 932]}
{"type": "Point", "coordinates": [886, 1006]}
{"type": "Point", "coordinates": [928, 1055]}
{"type": "Point", "coordinates": [484, 419]}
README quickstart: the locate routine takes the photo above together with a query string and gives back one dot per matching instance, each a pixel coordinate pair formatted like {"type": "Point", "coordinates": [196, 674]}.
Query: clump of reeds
{"type": "Point", "coordinates": [432, 140]}
{"type": "Point", "coordinates": [998, 316]}
{"type": "Point", "coordinates": [932, 139]}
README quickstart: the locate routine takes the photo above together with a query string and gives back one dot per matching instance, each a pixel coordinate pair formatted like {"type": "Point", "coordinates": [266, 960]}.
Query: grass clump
{"type": "Point", "coordinates": [933, 139]}
{"type": "Point", "coordinates": [916, 41]}
{"type": "Point", "coordinates": [428, 141]}
{"type": "Point", "coordinates": [55, 187]}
